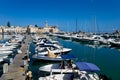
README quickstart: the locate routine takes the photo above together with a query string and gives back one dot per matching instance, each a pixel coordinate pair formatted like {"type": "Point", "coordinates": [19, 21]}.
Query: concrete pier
{"type": "Point", "coordinates": [16, 70]}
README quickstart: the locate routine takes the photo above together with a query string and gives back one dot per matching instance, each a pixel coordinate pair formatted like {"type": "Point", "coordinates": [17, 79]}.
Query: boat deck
{"type": "Point", "coordinates": [16, 70]}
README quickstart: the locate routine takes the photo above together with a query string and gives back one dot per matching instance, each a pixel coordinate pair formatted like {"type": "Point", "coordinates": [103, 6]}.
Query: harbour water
{"type": "Point", "coordinates": [108, 59]}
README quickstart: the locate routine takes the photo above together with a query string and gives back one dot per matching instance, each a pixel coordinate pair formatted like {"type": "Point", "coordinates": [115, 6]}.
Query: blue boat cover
{"type": "Point", "coordinates": [85, 66]}
{"type": "Point", "coordinates": [68, 56]}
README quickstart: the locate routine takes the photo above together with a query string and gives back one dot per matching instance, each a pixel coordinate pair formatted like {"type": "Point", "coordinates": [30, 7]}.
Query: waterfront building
{"type": "Point", "coordinates": [29, 29]}
{"type": "Point", "coordinates": [51, 29]}
{"type": "Point", "coordinates": [9, 29]}
{"type": "Point", "coordinates": [32, 29]}
{"type": "Point", "coordinates": [1, 29]}
{"type": "Point", "coordinates": [19, 29]}
{"type": "Point", "coordinates": [46, 29]}
{"type": "Point", "coordinates": [12, 29]}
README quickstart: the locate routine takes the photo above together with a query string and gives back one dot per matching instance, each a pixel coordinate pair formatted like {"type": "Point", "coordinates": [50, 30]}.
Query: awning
{"type": "Point", "coordinates": [85, 66]}
{"type": "Point", "coordinates": [68, 56]}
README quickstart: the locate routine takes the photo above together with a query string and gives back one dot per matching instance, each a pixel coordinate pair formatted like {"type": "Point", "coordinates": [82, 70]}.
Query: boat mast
{"type": "Point", "coordinates": [76, 25]}
{"type": "Point", "coordinates": [68, 27]}
{"type": "Point", "coordinates": [94, 24]}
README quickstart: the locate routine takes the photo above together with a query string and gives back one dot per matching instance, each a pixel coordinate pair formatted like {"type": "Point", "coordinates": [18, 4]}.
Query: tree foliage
{"type": "Point", "coordinates": [36, 25]}
{"type": "Point", "coordinates": [8, 24]}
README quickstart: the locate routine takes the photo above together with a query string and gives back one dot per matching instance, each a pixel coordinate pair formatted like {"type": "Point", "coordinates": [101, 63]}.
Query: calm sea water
{"type": "Point", "coordinates": [106, 58]}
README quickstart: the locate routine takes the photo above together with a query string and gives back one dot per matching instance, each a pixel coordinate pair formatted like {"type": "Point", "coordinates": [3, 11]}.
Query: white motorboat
{"type": "Point", "coordinates": [58, 51]}
{"type": "Point", "coordinates": [58, 68]}
{"type": "Point", "coordinates": [5, 48]}
{"type": "Point", "coordinates": [11, 44]}
{"type": "Point", "coordinates": [115, 42]}
{"type": "Point", "coordinates": [3, 56]}
{"type": "Point", "coordinates": [6, 52]}
{"type": "Point", "coordinates": [45, 40]}
{"type": "Point", "coordinates": [55, 48]}
{"type": "Point", "coordinates": [43, 50]}
{"type": "Point", "coordinates": [1, 60]}
{"type": "Point", "coordinates": [99, 39]}
{"type": "Point", "coordinates": [64, 36]}
{"type": "Point", "coordinates": [53, 41]}
{"type": "Point", "coordinates": [56, 77]}
{"type": "Point", "coordinates": [66, 66]}
{"type": "Point", "coordinates": [49, 56]}
{"type": "Point", "coordinates": [17, 38]}
{"type": "Point", "coordinates": [43, 57]}
{"type": "Point", "coordinates": [81, 74]}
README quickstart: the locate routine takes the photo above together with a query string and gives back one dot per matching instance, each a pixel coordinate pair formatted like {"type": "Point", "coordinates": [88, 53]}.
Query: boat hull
{"type": "Point", "coordinates": [45, 58]}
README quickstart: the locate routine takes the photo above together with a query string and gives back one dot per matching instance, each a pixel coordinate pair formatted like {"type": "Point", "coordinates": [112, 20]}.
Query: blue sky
{"type": "Point", "coordinates": [63, 13]}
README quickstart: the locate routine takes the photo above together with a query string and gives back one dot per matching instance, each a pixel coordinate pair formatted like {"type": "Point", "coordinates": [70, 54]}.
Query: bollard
{"type": "Point", "coordinates": [28, 59]}
{"type": "Point", "coordinates": [29, 75]}
{"type": "Point", "coordinates": [11, 60]}
{"type": "Point", "coordinates": [5, 68]}
{"type": "Point", "coordinates": [25, 62]}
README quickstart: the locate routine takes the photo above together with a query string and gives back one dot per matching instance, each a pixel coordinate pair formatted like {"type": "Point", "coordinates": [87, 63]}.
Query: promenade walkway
{"type": "Point", "coordinates": [15, 71]}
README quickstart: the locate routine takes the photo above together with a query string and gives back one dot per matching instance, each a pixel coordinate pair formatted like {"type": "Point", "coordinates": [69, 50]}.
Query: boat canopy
{"type": "Point", "coordinates": [68, 56]}
{"type": "Point", "coordinates": [85, 66]}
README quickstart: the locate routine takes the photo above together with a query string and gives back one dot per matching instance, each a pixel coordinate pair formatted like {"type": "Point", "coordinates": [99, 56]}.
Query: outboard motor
{"type": "Point", "coordinates": [103, 77]}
